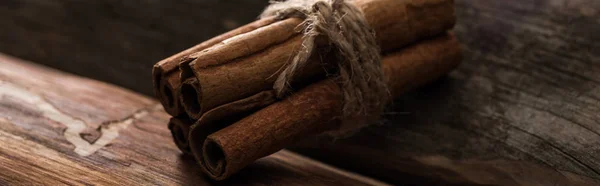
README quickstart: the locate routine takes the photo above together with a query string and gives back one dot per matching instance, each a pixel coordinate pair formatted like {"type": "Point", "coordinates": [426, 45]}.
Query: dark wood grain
{"type": "Point", "coordinates": [113, 40]}
{"type": "Point", "coordinates": [57, 128]}
{"type": "Point", "coordinates": [522, 109]}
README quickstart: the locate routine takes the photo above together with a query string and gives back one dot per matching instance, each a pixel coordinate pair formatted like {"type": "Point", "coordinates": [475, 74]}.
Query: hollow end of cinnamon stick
{"type": "Point", "coordinates": [180, 128]}
{"type": "Point", "coordinates": [209, 154]}
{"type": "Point", "coordinates": [191, 98]}
{"type": "Point", "coordinates": [214, 159]}
{"type": "Point", "coordinates": [168, 98]}
{"type": "Point", "coordinates": [165, 92]}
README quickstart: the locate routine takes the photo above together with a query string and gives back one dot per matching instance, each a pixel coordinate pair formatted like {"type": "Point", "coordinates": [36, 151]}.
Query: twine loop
{"type": "Point", "coordinates": [359, 72]}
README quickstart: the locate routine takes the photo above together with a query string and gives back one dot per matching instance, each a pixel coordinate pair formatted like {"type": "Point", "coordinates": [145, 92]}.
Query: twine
{"type": "Point", "coordinates": [358, 56]}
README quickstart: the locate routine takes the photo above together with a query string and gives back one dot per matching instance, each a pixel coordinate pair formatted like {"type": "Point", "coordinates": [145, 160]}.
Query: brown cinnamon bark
{"type": "Point", "coordinates": [224, 78]}
{"type": "Point", "coordinates": [242, 44]}
{"type": "Point", "coordinates": [166, 73]}
{"type": "Point", "coordinates": [218, 89]}
{"type": "Point", "coordinates": [313, 110]}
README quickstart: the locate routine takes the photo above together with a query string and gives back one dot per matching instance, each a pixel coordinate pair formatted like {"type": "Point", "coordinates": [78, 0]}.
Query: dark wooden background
{"type": "Point", "coordinates": [524, 105]}
{"type": "Point", "coordinates": [528, 91]}
{"type": "Point", "coordinates": [113, 40]}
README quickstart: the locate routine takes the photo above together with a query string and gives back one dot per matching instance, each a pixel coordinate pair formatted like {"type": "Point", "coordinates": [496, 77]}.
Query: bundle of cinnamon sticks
{"type": "Point", "coordinates": [225, 111]}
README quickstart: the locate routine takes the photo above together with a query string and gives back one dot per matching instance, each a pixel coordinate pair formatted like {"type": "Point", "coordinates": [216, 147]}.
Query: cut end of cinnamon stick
{"type": "Point", "coordinates": [180, 128]}
{"type": "Point", "coordinates": [166, 91]}
{"type": "Point", "coordinates": [214, 159]}
{"type": "Point", "coordinates": [209, 153]}
{"type": "Point", "coordinates": [191, 98]}
{"type": "Point", "coordinates": [168, 98]}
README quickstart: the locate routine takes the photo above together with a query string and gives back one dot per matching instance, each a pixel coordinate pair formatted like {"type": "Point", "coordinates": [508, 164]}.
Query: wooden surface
{"type": "Point", "coordinates": [111, 39]}
{"type": "Point", "coordinates": [522, 109]}
{"type": "Point", "coordinates": [57, 128]}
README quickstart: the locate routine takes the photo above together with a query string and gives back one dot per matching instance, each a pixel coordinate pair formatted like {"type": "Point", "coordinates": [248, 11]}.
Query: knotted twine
{"type": "Point", "coordinates": [359, 72]}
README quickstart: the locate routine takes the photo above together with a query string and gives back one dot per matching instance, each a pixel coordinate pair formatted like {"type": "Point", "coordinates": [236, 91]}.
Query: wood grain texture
{"type": "Point", "coordinates": [57, 128]}
{"type": "Point", "coordinates": [525, 96]}
{"type": "Point", "coordinates": [522, 109]}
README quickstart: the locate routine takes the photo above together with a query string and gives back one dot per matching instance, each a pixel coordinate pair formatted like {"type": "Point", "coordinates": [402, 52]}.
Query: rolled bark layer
{"type": "Point", "coordinates": [180, 128]}
{"type": "Point", "coordinates": [217, 89]}
{"type": "Point", "coordinates": [258, 56]}
{"type": "Point", "coordinates": [313, 110]}
{"type": "Point", "coordinates": [224, 115]}
{"type": "Point", "coordinates": [166, 73]}
{"type": "Point", "coordinates": [239, 45]}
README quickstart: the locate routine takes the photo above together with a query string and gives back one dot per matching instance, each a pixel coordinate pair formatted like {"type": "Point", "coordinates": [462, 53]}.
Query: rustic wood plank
{"type": "Point", "coordinates": [522, 109]}
{"type": "Point", "coordinates": [526, 96]}
{"type": "Point", "coordinates": [57, 128]}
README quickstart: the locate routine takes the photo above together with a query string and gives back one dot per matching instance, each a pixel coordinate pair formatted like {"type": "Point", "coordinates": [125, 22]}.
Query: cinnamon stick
{"type": "Point", "coordinates": [313, 110]}
{"type": "Point", "coordinates": [166, 73]}
{"type": "Point", "coordinates": [224, 78]}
